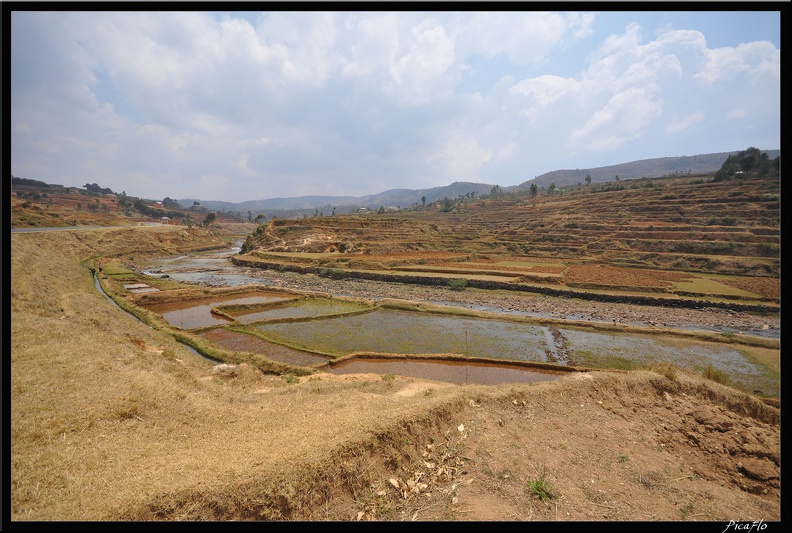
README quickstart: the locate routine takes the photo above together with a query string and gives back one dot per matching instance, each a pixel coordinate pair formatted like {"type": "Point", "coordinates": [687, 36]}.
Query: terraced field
{"type": "Point", "coordinates": [682, 236]}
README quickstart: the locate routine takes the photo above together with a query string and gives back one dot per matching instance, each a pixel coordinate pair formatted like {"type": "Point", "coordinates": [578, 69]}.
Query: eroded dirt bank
{"type": "Point", "coordinates": [605, 447]}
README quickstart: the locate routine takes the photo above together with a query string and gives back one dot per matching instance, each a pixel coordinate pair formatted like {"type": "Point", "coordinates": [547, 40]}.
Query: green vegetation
{"type": "Point", "coordinates": [333, 273]}
{"type": "Point", "coordinates": [210, 218]}
{"type": "Point", "coordinates": [458, 284]}
{"type": "Point", "coordinates": [541, 488]}
{"type": "Point", "coordinates": [747, 163]}
{"type": "Point", "coordinates": [719, 376]}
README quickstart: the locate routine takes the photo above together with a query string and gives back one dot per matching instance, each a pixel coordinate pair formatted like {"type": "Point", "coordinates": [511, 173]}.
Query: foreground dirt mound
{"type": "Point", "coordinates": [595, 446]}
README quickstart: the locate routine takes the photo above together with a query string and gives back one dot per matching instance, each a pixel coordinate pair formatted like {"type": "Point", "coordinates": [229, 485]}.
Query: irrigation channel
{"type": "Point", "coordinates": [502, 348]}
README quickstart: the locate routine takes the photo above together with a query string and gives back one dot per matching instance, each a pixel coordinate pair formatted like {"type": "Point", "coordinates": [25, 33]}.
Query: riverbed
{"type": "Point", "coordinates": [214, 269]}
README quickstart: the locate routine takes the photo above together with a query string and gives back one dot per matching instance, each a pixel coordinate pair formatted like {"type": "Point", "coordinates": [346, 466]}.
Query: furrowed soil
{"type": "Point", "coordinates": [114, 420]}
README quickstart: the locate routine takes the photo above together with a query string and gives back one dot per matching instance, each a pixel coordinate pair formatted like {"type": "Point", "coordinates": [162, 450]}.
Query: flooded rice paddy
{"type": "Point", "coordinates": [602, 350]}
{"type": "Point", "coordinates": [242, 342]}
{"type": "Point", "coordinates": [453, 372]}
{"type": "Point", "coordinates": [396, 331]}
{"type": "Point", "coordinates": [189, 315]}
{"type": "Point", "coordinates": [340, 327]}
{"type": "Point", "coordinates": [303, 308]}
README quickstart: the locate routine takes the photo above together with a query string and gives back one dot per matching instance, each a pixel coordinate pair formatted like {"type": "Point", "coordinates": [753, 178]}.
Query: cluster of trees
{"type": "Point", "coordinates": [142, 207]}
{"type": "Point", "coordinates": [33, 195]}
{"type": "Point", "coordinates": [751, 161]}
{"type": "Point", "coordinates": [15, 180]}
{"type": "Point", "coordinates": [171, 204]}
{"type": "Point", "coordinates": [93, 187]}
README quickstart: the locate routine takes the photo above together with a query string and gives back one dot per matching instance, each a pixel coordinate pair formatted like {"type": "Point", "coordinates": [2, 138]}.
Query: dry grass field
{"type": "Point", "coordinates": [112, 419]}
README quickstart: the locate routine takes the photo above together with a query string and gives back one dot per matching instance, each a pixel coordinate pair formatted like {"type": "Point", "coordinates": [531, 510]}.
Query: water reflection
{"type": "Point", "coordinates": [189, 315]}
{"type": "Point", "coordinates": [472, 373]}
{"type": "Point", "coordinates": [241, 342]}
{"type": "Point", "coordinates": [422, 333]}
{"type": "Point", "coordinates": [396, 331]}
{"type": "Point", "coordinates": [303, 308]}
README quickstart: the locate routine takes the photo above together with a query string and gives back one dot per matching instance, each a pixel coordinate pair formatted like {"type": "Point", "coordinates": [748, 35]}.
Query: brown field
{"type": "Point", "coordinates": [113, 419]}
{"type": "Point", "coordinates": [615, 276]}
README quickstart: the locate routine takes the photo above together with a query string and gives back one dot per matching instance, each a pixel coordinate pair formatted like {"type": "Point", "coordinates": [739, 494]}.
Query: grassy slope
{"type": "Point", "coordinates": [111, 420]}
{"type": "Point", "coordinates": [101, 421]}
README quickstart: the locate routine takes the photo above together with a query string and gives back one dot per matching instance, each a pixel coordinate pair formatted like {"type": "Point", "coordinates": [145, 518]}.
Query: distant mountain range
{"type": "Point", "coordinates": [391, 198]}
{"type": "Point", "coordinates": [649, 168]}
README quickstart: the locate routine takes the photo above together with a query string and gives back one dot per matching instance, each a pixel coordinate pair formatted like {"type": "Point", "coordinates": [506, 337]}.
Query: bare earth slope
{"type": "Point", "coordinates": [113, 420]}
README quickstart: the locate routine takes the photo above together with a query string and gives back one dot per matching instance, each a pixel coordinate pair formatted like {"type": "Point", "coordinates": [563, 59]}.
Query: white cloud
{"type": "Point", "coordinates": [460, 157]}
{"type": "Point", "coordinates": [210, 105]}
{"type": "Point", "coordinates": [417, 73]}
{"type": "Point", "coordinates": [545, 89]}
{"type": "Point", "coordinates": [624, 118]}
{"type": "Point", "coordinates": [751, 61]}
{"type": "Point", "coordinates": [685, 123]}
{"type": "Point", "coordinates": [526, 38]}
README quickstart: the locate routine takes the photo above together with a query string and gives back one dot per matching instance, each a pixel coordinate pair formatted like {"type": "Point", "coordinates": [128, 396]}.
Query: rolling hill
{"type": "Point", "coordinates": [650, 168]}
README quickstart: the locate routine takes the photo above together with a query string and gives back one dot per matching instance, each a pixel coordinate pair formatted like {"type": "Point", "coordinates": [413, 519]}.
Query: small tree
{"type": "Point", "coordinates": [170, 203]}
{"type": "Point", "coordinates": [588, 179]}
{"type": "Point", "coordinates": [534, 189]}
{"type": "Point", "coordinates": [423, 201]}
{"type": "Point", "coordinates": [210, 218]}
{"type": "Point", "coordinates": [552, 187]}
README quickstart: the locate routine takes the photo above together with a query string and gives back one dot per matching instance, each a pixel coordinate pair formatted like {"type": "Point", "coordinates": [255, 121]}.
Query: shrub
{"type": "Point", "coordinates": [719, 376]}
{"type": "Point", "coordinates": [542, 489]}
{"type": "Point", "coordinates": [333, 273]}
{"type": "Point", "coordinates": [458, 284]}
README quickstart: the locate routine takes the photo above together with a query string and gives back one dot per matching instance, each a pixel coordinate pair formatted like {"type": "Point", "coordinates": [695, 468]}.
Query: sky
{"type": "Point", "coordinates": [236, 106]}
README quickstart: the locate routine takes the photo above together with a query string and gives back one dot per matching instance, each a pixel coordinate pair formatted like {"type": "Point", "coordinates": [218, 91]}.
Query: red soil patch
{"type": "Point", "coordinates": [766, 287]}
{"type": "Point", "coordinates": [608, 275]}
